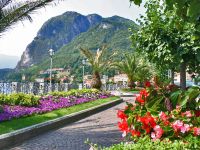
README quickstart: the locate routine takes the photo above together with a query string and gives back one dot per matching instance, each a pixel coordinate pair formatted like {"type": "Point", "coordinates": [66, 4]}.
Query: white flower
{"type": "Point", "coordinates": [124, 134]}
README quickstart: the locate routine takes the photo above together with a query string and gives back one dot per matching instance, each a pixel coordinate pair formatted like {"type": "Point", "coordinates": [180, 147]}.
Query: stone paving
{"type": "Point", "coordinates": [100, 128]}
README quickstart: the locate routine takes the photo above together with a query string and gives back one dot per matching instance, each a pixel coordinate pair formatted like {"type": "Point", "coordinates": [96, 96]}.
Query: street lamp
{"type": "Point", "coordinates": [84, 62]}
{"type": "Point", "coordinates": [51, 53]}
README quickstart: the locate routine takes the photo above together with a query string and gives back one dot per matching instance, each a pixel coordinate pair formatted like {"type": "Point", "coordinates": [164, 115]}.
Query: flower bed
{"type": "Point", "coordinates": [50, 103]}
{"type": "Point", "coordinates": [162, 112]}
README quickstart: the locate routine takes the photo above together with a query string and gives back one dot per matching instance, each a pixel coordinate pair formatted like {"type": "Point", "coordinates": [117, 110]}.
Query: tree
{"type": "Point", "coordinates": [167, 40]}
{"type": "Point", "coordinates": [185, 9]}
{"type": "Point", "coordinates": [132, 66]}
{"type": "Point", "coordinates": [98, 61]}
{"type": "Point", "coordinates": [11, 11]}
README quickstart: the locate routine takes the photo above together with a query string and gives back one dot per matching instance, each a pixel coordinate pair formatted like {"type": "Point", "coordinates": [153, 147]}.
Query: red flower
{"type": "Point", "coordinates": [140, 99]}
{"type": "Point", "coordinates": [197, 113]}
{"type": "Point", "coordinates": [196, 131]}
{"type": "Point", "coordinates": [148, 122]}
{"type": "Point", "coordinates": [151, 120]}
{"type": "Point", "coordinates": [144, 93]}
{"type": "Point", "coordinates": [135, 133]}
{"type": "Point", "coordinates": [147, 84]}
{"type": "Point", "coordinates": [146, 128]}
{"type": "Point", "coordinates": [121, 114]}
{"type": "Point", "coordinates": [123, 126]}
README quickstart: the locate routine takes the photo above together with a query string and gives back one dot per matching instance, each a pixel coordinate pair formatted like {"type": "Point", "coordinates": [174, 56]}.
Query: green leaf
{"type": "Point", "coordinates": [175, 97]}
{"type": "Point", "coordinates": [194, 10]}
{"type": "Point", "coordinates": [169, 4]}
{"type": "Point", "coordinates": [192, 93]}
{"type": "Point", "coordinates": [136, 2]}
{"type": "Point", "coordinates": [183, 101]}
{"type": "Point", "coordinates": [154, 104]}
{"type": "Point", "coordinates": [130, 120]}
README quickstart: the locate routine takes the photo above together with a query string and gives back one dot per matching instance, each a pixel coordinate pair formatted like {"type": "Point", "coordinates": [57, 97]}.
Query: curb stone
{"type": "Point", "coordinates": [14, 138]}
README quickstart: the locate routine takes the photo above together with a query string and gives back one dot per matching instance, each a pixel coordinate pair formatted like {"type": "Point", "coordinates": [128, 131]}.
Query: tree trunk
{"type": "Point", "coordinates": [183, 75]}
{"type": "Point", "coordinates": [172, 76]}
{"type": "Point", "coordinates": [96, 81]}
{"type": "Point", "coordinates": [131, 84]}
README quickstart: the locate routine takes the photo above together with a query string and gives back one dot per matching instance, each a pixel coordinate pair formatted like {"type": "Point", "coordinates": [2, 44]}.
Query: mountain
{"type": "Point", "coordinates": [70, 31]}
{"type": "Point", "coordinates": [55, 33]}
{"type": "Point", "coordinates": [7, 61]}
{"type": "Point", "coordinates": [4, 72]}
{"type": "Point", "coordinates": [109, 32]}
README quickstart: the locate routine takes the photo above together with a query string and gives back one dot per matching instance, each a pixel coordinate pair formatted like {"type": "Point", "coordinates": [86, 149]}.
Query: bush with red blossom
{"type": "Point", "coordinates": [162, 112]}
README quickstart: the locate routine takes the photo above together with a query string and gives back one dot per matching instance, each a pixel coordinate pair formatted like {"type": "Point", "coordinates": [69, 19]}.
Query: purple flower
{"type": "Point", "coordinates": [46, 104]}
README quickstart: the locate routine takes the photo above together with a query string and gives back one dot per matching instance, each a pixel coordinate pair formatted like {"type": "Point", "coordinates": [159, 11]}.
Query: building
{"type": "Point", "coordinates": [40, 80]}
{"type": "Point", "coordinates": [57, 70]}
{"type": "Point", "coordinates": [104, 79]}
{"type": "Point", "coordinates": [87, 80]}
{"type": "Point", "coordinates": [120, 79]}
{"type": "Point", "coordinates": [58, 75]}
{"type": "Point", "coordinates": [177, 77]}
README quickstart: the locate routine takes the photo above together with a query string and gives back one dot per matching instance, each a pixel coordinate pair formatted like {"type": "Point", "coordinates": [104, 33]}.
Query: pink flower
{"type": "Point", "coordinates": [185, 128]}
{"type": "Point", "coordinates": [158, 132]}
{"type": "Point", "coordinates": [178, 107]}
{"type": "Point", "coordinates": [196, 131]}
{"type": "Point", "coordinates": [187, 114]}
{"type": "Point", "coordinates": [177, 125]}
{"type": "Point", "coordinates": [163, 116]}
{"type": "Point", "coordinates": [153, 135]}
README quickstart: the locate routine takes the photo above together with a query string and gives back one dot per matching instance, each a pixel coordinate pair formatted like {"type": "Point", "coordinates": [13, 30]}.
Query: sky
{"type": "Point", "coordinates": [15, 40]}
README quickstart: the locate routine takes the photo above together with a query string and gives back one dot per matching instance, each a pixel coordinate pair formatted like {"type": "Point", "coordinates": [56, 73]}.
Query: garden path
{"type": "Point", "coordinates": [100, 128]}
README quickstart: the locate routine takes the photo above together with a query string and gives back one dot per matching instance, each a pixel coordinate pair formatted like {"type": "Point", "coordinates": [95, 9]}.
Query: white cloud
{"type": "Point", "coordinates": [16, 39]}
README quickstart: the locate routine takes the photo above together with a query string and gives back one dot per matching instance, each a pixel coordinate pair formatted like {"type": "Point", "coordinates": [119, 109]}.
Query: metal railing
{"type": "Point", "coordinates": [33, 87]}
{"type": "Point", "coordinates": [43, 88]}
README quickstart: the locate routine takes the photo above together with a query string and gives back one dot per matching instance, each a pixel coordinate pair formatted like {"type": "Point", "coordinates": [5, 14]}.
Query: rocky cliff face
{"type": "Point", "coordinates": [55, 33]}
{"type": "Point", "coordinates": [76, 30]}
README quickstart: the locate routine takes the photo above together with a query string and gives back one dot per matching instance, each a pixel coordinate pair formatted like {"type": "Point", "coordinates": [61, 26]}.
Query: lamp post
{"type": "Point", "coordinates": [84, 62]}
{"type": "Point", "coordinates": [51, 53]}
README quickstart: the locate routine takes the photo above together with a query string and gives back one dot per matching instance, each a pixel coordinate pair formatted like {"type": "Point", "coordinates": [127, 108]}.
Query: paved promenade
{"type": "Point", "coordinates": [100, 128]}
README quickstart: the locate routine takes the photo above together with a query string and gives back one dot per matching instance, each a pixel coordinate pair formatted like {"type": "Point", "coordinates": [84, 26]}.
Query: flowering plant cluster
{"type": "Point", "coordinates": [47, 104]}
{"type": "Point", "coordinates": [161, 114]}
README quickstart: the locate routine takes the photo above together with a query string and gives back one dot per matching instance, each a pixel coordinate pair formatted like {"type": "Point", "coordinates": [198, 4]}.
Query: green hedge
{"type": "Point", "coordinates": [19, 99]}
{"type": "Point", "coordinates": [189, 143]}
{"type": "Point", "coordinates": [75, 92]}
{"type": "Point", "coordinates": [192, 143]}
{"type": "Point", "coordinates": [33, 100]}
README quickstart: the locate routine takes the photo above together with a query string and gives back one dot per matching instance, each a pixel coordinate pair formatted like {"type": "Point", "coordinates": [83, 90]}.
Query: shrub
{"type": "Point", "coordinates": [161, 113]}
{"type": "Point", "coordinates": [32, 100]}
{"type": "Point", "coordinates": [146, 143]}
{"type": "Point", "coordinates": [19, 99]}
{"type": "Point", "coordinates": [75, 92]}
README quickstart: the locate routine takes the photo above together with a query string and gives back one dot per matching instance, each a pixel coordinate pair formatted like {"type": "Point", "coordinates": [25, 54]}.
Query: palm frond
{"type": "Point", "coordinates": [88, 54]}
{"type": "Point", "coordinates": [4, 3]}
{"type": "Point", "coordinates": [132, 65]}
{"type": "Point", "coordinates": [11, 13]}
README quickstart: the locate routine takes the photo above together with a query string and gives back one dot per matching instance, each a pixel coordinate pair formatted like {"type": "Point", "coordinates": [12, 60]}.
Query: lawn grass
{"type": "Point", "coordinates": [134, 91]}
{"type": "Point", "coordinates": [14, 124]}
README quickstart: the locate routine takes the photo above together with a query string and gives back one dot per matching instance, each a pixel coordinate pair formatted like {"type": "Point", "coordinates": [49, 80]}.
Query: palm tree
{"type": "Point", "coordinates": [132, 66]}
{"type": "Point", "coordinates": [99, 61]}
{"type": "Point", "coordinates": [12, 11]}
